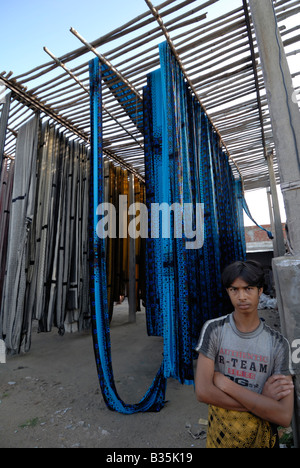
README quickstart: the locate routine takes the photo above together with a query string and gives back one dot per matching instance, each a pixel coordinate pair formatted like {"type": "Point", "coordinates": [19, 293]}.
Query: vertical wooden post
{"type": "Point", "coordinates": [285, 119]}
{"type": "Point", "coordinates": [285, 115]}
{"type": "Point", "coordinates": [3, 125]}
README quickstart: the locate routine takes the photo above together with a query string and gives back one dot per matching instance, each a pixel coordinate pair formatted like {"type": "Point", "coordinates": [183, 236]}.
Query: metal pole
{"type": "Point", "coordinates": [280, 250]}
{"type": "Point", "coordinates": [270, 205]}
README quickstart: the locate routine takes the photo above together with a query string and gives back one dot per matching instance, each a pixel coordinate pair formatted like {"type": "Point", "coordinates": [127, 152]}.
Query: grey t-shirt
{"type": "Point", "coordinates": [248, 359]}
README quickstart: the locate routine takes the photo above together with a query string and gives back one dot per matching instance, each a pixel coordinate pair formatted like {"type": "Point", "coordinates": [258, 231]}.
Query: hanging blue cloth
{"type": "Point", "coordinates": [167, 161]}
{"type": "Point", "coordinates": [248, 213]}
{"type": "Point", "coordinates": [185, 166]}
{"type": "Point", "coordinates": [125, 96]}
{"type": "Point", "coordinates": [154, 399]}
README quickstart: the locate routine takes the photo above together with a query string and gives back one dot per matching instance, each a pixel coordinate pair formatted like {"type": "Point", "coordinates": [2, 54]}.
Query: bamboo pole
{"type": "Point", "coordinates": [201, 48]}
{"type": "Point", "coordinates": [170, 42]}
{"type": "Point", "coordinates": [75, 78]}
{"type": "Point", "coordinates": [107, 63]}
{"type": "Point", "coordinates": [64, 67]}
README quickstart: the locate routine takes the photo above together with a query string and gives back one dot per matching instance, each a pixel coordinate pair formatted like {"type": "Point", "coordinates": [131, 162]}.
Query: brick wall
{"type": "Point", "coordinates": [255, 234]}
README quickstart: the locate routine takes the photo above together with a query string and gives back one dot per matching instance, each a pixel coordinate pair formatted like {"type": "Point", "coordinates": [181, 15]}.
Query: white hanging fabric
{"type": "Point", "coordinates": [47, 261]}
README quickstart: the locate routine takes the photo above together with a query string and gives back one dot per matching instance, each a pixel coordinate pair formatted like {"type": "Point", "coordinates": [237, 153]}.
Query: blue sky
{"type": "Point", "coordinates": [29, 25]}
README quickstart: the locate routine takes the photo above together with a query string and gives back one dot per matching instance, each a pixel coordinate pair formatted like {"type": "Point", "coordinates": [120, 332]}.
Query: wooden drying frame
{"type": "Point", "coordinates": [201, 48]}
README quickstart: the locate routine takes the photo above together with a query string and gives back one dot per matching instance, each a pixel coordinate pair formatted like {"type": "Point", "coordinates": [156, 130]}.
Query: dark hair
{"type": "Point", "coordinates": [251, 272]}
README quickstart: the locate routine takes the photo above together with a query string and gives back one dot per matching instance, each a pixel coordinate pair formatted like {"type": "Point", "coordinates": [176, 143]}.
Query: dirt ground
{"type": "Point", "coordinates": [50, 397]}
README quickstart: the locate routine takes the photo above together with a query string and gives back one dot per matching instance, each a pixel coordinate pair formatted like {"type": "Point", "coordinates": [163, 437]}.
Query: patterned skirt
{"type": "Point", "coordinates": [233, 429]}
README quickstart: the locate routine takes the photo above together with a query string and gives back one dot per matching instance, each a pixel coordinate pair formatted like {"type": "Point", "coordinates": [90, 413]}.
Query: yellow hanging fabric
{"type": "Point", "coordinates": [234, 429]}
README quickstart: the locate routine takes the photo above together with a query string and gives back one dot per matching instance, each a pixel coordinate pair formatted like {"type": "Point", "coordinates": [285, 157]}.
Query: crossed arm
{"type": "Point", "coordinates": [274, 405]}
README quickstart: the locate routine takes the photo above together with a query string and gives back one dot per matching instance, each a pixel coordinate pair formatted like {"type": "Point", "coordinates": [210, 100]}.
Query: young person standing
{"type": "Point", "coordinates": [244, 369]}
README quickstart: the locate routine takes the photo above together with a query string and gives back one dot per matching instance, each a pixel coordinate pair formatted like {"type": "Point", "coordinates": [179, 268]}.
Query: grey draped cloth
{"type": "Point", "coordinates": [47, 274]}
{"type": "Point", "coordinates": [22, 209]}
{"type": "Point", "coordinates": [6, 187]}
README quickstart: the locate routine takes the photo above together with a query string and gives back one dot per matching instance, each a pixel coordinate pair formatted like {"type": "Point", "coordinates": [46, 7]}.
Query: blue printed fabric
{"type": "Point", "coordinates": [185, 164]}
{"type": "Point", "coordinates": [126, 98]}
{"type": "Point", "coordinates": [154, 399]}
